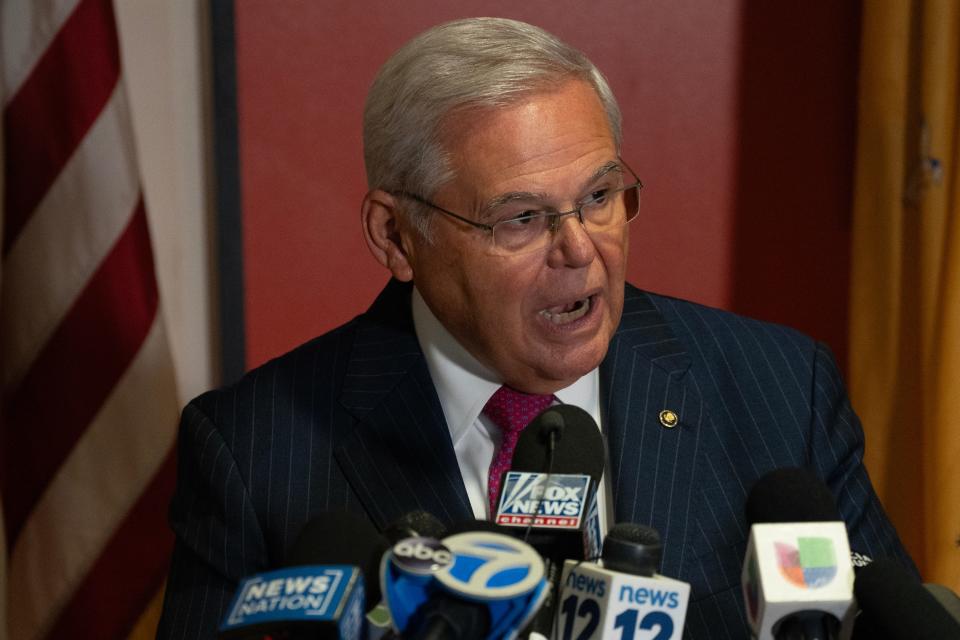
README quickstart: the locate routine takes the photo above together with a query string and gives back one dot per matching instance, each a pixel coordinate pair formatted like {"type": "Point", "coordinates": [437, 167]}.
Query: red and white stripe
{"type": "Point", "coordinates": [89, 402]}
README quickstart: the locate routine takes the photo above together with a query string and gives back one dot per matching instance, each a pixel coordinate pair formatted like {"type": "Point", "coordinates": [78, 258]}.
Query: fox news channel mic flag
{"type": "Point", "coordinates": [796, 567]}
{"type": "Point", "coordinates": [555, 501]}
{"type": "Point", "coordinates": [89, 399]}
{"type": "Point", "coordinates": [558, 501]}
{"type": "Point", "coordinates": [491, 571]}
{"type": "Point", "coordinates": [314, 599]}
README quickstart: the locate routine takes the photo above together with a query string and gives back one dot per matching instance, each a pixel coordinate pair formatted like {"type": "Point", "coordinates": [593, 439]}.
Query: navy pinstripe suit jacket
{"type": "Point", "coordinates": [351, 420]}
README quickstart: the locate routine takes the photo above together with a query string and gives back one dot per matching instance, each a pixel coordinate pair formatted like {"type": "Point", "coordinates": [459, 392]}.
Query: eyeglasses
{"type": "Point", "coordinates": [519, 230]}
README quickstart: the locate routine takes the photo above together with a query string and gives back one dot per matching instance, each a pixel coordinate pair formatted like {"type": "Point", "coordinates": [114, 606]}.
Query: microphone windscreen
{"type": "Point", "coordinates": [415, 524]}
{"type": "Point", "coordinates": [790, 494]}
{"type": "Point", "coordinates": [579, 445]}
{"type": "Point", "coordinates": [632, 548]}
{"type": "Point", "coordinates": [897, 603]}
{"type": "Point", "coordinates": [341, 538]}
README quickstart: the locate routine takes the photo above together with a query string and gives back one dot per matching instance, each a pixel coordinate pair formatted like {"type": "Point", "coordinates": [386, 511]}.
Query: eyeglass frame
{"type": "Point", "coordinates": [556, 216]}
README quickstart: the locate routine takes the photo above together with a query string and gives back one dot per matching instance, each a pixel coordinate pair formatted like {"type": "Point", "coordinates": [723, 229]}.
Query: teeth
{"type": "Point", "coordinates": [581, 307]}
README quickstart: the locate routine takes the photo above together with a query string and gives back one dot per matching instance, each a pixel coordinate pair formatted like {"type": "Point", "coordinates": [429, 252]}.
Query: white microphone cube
{"type": "Point", "coordinates": [793, 567]}
{"type": "Point", "coordinates": [599, 603]}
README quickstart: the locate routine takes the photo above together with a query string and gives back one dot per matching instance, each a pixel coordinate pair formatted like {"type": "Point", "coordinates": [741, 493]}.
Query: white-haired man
{"type": "Point", "coordinates": [500, 201]}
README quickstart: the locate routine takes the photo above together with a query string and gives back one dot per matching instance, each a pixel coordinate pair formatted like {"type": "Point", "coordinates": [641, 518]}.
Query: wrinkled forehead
{"type": "Point", "coordinates": [560, 134]}
{"type": "Point", "coordinates": [469, 119]}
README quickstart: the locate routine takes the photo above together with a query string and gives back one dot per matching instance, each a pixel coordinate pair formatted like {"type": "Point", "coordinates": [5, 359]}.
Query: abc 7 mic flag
{"type": "Point", "coordinates": [797, 567]}
{"type": "Point", "coordinates": [491, 570]}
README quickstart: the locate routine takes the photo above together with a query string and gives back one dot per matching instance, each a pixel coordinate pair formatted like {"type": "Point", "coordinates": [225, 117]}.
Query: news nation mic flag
{"type": "Point", "coordinates": [89, 403]}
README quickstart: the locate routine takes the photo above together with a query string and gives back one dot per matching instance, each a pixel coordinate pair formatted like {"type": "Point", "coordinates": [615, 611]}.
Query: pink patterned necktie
{"type": "Point", "coordinates": [511, 411]}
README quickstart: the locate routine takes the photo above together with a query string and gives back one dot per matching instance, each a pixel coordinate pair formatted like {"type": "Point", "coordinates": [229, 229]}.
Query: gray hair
{"type": "Point", "coordinates": [464, 64]}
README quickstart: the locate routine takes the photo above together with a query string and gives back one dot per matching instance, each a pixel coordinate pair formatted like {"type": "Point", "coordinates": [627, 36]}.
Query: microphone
{"type": "Point", "coordinates": [319, 591]}
{"type": "Point", "coordinates": [549, 497]}
{"type": "Point", "coordinates": [554, 477]}
{"type": "Point", "coordinates": [797, 575]}
{"type": "Point", "coordinates": [415, 523]}
{"type": "Point", "coordinates": [945, 596]}
{"type": "Point", "coordinates": [892, 600]}
{"type": "Point", "coordinates": [623, 596]}
{"type": "Point", "coordinates": [471, 585]}
{"type": "Point", "coordinates": [410, 525]}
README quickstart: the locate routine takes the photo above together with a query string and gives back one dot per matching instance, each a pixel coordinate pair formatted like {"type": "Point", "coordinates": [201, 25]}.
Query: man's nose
{"type": "Point", "coordinates": [572, 245]}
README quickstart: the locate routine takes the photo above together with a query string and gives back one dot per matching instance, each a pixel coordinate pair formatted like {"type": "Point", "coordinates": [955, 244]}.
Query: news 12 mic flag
{"type": "Point", "coordinates": [596, 602]}
{"type": "Point", "coordinates": [89, 403]}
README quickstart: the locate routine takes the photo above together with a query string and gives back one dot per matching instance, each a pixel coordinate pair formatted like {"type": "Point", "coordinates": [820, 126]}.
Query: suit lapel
{"type": "Point", "coordinates": [398, 455]}
{"type": "Point", "coordinates": [652, 465]}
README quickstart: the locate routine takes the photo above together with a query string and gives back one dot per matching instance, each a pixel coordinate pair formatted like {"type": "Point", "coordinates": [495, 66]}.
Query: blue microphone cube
{"type": "Point", "coordinates": [298, 597]}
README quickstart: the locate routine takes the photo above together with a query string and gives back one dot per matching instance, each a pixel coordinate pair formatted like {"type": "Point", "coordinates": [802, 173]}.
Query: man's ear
{"type": "Point", "coordinates": [382, 223]}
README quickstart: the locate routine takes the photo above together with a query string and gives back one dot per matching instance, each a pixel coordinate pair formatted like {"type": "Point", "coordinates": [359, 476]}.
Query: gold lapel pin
{"type": "Point", "coordinates": [669, 419]}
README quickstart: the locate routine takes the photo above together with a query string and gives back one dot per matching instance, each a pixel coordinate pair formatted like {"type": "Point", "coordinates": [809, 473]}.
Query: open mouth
{"type": "Point", "coordinates": [566, 313]}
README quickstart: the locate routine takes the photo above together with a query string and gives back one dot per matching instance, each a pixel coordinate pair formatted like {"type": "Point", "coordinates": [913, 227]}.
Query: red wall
{"type": "Point", "coordinates": [737, 116]}
{"type": "Point", "coordinates": [797, 114]}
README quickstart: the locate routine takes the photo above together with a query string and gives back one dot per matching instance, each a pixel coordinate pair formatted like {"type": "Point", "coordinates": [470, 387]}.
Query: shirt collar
{"type": "Point", "coordinates": [464, 384]}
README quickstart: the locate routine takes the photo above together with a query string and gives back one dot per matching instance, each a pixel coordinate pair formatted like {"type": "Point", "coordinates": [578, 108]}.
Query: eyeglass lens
{"type": "Point", "coordinates": [532, 233]}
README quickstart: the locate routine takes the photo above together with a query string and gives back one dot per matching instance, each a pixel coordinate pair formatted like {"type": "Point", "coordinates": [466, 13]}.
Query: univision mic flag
{"type": "Point", "coordinates": [793, 566]}
{"type": "Point", "coordinates": [809, 562]}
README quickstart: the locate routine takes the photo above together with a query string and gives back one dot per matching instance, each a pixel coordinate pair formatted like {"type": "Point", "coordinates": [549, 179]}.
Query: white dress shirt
{"type": "Point", "coordinates": [464, 386]}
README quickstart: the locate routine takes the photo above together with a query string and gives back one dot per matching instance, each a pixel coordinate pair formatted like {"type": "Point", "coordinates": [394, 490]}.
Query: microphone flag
{"type": "Point", "coordinates": [797, 567]}
{"type": "Point", "coordinates": [298, 596]}
{"type": "Point", "coordinates": [493, 571]}
{"type": "Point", "coordinates": [600, 603]}
{"type": "Point", "coordinates": [553, 501]}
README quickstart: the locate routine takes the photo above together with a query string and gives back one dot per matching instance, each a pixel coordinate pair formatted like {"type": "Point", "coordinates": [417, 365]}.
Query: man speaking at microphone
{"type": "Point", "coordinates": [500, 201]}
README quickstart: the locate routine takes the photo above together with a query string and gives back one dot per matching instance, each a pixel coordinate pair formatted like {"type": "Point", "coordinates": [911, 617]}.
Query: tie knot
{"type": "Point", "coordinates": [512, 410]}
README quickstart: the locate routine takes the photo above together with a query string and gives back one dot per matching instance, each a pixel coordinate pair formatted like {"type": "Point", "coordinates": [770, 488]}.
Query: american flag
{"type": "Point", "coordinates": [89, 401]}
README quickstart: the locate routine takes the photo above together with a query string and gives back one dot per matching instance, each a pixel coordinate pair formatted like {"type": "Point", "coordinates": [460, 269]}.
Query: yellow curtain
{"type": "Point", "coordinates": [905, 285]}
{"type": "Point", "coordinates": [146, 626]}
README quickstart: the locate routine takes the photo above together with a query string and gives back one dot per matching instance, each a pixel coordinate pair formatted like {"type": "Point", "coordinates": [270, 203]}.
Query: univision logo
{"type": "Point", "coordinates": [810, 564]}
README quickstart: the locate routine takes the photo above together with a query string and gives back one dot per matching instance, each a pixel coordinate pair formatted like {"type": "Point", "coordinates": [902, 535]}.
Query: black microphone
{"type": "Point", "coordinates": [632, 548]}
{"type": "Point", "coordinates": [790, 494]}
{"type": "Point", "coordinates": [564, 435]}
{"type": "Point", "coordinates": [553, 480]}
{"type": "Point", "coordinates": [797, 575]}
{"type": "Point", "coordinates": [894, 602]}
{"type": "Point", "coordinates": [549, 496]}
{"type": "Point", "coordinates": [341, 538]}
{"type": "Point", "coordinates": [415, 524]}
{"type": "Point", "coordinates": [321, 589]}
